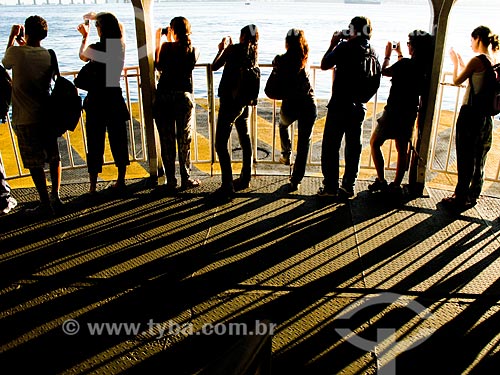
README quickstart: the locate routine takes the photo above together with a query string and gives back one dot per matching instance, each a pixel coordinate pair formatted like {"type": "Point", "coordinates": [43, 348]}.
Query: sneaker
{"type": "Point", "coordinates": [345, 193]}
{"type": "Point", "coordinates": [43, 210]}
{"type": "Point", "coordinates": [241, 184]}
{"type": "Point", "coordinates": [56, 203]}
{"type": "Point", "coordinates": [285, 160]}
{"type": "Point", "coordinates": [293, 186]}
{"type": "Point", "coordinates": [223, 193]}
{"type": "Point", "coordinates": [190, 183]}
{"type": "Point", "coordinates": [326, 192]}
{"type": "Point", "coordinates": [378, 185]}
{"type": "Point", "coordinates": [392, 188]}
{"type": "Point", "coordinates": [10, 203]}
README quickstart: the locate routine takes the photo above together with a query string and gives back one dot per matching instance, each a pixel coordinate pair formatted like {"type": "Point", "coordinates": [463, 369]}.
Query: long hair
{"type": "Point", "coordinates": [250, 36]}
{"type": "Point", "coordinates": [182, 29]}
{"type": "Point", "coordinates": [422, 44]}
{"type": "Point", "coordinates": [486, 37]}
{"type": "Point", "coordinates": [110, 26]}
{"type": "Point", "coordinates": [298, 49]}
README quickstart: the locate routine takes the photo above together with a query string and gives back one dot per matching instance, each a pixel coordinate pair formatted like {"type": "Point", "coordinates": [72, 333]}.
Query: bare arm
{"type": "Point", "coordinates": [462, 72]}
{"type": "Point", "coordinates": [220, 58]}
{"type": "Point", "coordinates": [83, 53]}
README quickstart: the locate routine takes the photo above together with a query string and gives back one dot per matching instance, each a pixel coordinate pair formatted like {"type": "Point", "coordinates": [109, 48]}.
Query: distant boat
{"type": "Point", "coordinates": [362, 1]}
{"type": "Point", "coordinates": [248, 3]}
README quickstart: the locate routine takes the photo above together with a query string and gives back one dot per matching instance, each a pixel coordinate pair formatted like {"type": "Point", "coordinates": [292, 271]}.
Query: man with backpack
{"type": "Point", "coordinates": [31, 76]}
{"type": "Point", "coordinates": [356, 80]}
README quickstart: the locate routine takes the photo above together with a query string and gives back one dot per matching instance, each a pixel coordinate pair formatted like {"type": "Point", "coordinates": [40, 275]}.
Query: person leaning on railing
{"type": "Point", "coordinates": [299, 103]}
{"type": "Point", "coordinates": [474, 126]}
{"type": "Point", "coordinates": [409, 79]}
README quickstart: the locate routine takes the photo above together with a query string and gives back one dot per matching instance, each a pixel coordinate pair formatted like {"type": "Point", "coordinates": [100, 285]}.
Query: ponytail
{"type": "Point", "coordinates": [494, 42]}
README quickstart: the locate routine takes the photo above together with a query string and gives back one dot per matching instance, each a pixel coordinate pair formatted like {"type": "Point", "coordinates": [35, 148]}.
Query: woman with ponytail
{"type": "Point", "coordinates": [174, 107]}
{"type": "Point", "coordinates": [298, 105]}
{"type": "Point", "coordinates": [234, 57]}
{"type": "Point", "coordinates": [474, 125]}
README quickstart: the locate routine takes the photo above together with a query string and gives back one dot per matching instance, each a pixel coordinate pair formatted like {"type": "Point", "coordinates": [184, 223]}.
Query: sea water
{"type": "Point", "coordinates": [211, 21]}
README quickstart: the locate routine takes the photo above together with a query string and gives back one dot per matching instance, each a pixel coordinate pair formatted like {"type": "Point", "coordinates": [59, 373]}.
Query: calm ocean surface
{"type": "Point", "coordinates": [212, 20]}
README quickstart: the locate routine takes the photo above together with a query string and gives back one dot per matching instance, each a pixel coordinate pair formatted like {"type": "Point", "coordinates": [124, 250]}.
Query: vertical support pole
{"type": "Point", "coordinates": [418, 165]}
{"type": "Point", "coordinates": [146, 51]}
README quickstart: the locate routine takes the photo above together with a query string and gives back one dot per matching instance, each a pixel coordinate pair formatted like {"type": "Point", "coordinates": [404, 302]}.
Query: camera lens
{"type": "Point", "coordinates": [164, 31]}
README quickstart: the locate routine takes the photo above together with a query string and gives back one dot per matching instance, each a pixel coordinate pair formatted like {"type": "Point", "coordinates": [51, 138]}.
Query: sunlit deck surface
{"type": "Point", "coordinates": [292, 258]}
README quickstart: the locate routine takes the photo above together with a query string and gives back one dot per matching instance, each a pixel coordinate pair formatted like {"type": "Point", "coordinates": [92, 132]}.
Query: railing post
{"type": "Point", "coordinates": [145, 46]}
{"type": "Point", "coordinates": [418, 167]}
{"type": "Point", "coordinates": [211, 116]}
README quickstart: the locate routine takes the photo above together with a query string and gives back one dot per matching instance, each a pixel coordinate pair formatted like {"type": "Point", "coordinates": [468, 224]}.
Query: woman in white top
{"type": "Point", "coordinates": [474, 123]}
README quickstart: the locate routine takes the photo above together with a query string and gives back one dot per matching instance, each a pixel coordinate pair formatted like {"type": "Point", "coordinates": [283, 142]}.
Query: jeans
{"type": "Point", "coordinates": [174, 120]}
{"type": "Point", "coordinates": [231, 113]}
{"type": "Point", "coordinates": [342, 119]}
{"type": "Point", "coordinates": [473, 141]}
{"type": "Point", "coordinates": [305, 113]}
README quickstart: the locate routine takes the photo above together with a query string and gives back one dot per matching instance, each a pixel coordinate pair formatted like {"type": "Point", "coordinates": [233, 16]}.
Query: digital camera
{"type": "Point", "coordinates": [164, 31]}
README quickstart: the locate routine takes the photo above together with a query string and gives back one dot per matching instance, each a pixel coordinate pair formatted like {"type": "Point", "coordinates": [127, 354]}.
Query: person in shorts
{"type": "Point", "coordinates": [410, 77]}
{"type": "Point", "coordinates": [31, 76]}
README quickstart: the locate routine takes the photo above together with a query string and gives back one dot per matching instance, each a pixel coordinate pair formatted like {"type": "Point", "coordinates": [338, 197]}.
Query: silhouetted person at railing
{"type": "Point", "coordinates": [474, 125]}
{"type": "Point", "coordinates": [174, 106]}
{"type": "Point", "coordinates": [345, 112]}
{"type": "Point", "coordinates": [299, 104]}
{"type": "Point", "coordinates": [31, 75]}
{"type": "Point", "coordinates": [409, 77]}
{"type": "Point", "coordinates": [233, 57]}
{"type": "Point", "coordinates": [104, 105]}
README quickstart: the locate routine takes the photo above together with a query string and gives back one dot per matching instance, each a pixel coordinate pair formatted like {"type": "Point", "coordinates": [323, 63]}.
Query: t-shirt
{"type": "Point", "coordinates": [406, 85]}
{"type": "Point", "coordinates": [31, 76]}
{"type": "Point", "coordinates": [176, 67]}
{"type": "Point", "coordinates": [109, 57]}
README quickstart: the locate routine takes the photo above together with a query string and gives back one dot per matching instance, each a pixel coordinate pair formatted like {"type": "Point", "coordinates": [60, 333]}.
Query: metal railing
{"type": "Point", "coordinates": [263, 131]}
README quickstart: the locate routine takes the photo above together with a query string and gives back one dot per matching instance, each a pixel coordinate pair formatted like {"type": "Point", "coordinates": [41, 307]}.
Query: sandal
{"type": "Point", "coordinates": [190, 183]}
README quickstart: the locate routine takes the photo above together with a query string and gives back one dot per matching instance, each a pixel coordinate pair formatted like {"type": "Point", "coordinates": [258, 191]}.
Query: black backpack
{"type": "Point", "coordinates": [487, 101]}
{"type": "Point", "coordinates": [65, 104]}
{"type": "Point", "coordinates": [5, 93]}
{"type": "Point", "coordinates": [369, 76]}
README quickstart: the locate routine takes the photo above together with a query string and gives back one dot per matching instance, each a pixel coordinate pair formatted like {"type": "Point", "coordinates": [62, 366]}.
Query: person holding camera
{"type": "Point", "coordinates": [104, 105]}
{"type": "Point", "coordinates": [474, 127]}
{"type": "Point", "coordinates": [345, 112]}
{"type": "Point", "coordinates": [299, 104]}
{"type": "Point", "coordinates": [174, 106]}
{"type": "Point", "coordinates": [410, 80]}
{"type": "Point", "coordinates": [32, 72]}
{"type": "Point", "coordinates": [234, 57]}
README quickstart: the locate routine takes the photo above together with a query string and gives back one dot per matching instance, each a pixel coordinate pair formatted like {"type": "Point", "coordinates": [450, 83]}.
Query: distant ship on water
{"type": "Point", "coordinates": [363, 1]}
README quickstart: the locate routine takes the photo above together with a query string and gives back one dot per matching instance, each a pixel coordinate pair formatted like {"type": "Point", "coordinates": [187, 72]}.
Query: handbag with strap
{"type": "Point", "coordinates": [87, 78]}
{"type": "Point", "coordinates": [276, 87]}
{"type": "Point", "coordinates": [65, 104]}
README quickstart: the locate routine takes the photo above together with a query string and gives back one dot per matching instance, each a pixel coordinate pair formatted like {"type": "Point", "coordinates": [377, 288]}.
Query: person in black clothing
{"type": "Point", "coordinates": [345, 112]}
{"type": "Point", "coordinates": [174, 105]}
{"type": "Point", "coordinates": [299, 103]}
{"type": "Point", "coordinates": [410, 78]}
{"type": "Point", "coordinates": [233, 57]}
{"type": "Point", "coordinates": [104, 105]}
